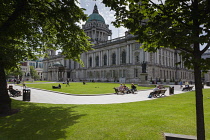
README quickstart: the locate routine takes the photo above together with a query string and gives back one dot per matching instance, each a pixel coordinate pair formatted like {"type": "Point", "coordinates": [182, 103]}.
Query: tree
{"type": "Point", "coordinates": [33, 73]}
{"type": "Point", "coordinates": [16, 72]}
{"type": "Point", "coordinates": [30, 27]}
{"type": "Point", "coordinates": [181, 25]}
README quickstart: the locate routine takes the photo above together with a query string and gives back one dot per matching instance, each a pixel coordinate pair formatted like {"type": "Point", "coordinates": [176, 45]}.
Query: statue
{"type": "Point", "coordinates": [144, 67]}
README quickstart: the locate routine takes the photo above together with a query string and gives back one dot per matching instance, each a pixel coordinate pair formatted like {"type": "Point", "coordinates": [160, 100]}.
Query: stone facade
{"type": "Point", "coordinates": [206, 55]}
{"type": "Point", "coordinates": [116, 60]}
{"type": "Point", "coordinates": [25, 68]}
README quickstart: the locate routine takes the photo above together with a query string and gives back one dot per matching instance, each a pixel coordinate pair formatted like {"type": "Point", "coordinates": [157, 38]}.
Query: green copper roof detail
{"type": "Point", "coordinates": [95, 15]}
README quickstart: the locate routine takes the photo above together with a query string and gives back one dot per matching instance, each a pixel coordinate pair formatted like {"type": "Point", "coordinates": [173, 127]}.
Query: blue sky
{"type": "Point", "coordinates": [105, 13]}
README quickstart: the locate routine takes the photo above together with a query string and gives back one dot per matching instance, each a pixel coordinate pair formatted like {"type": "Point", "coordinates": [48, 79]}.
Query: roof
{"type": "Point", "coordinates": [95, 16]}
{"type": "Point", "coordinates": [57, 64]}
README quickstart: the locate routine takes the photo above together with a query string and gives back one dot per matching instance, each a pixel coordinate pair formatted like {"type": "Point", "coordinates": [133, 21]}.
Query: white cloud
{"type": "Point", "coordinates": [105, 13]}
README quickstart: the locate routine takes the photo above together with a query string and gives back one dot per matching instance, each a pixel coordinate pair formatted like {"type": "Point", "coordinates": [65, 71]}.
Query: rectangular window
{"type": "Point", "coordinates": [124, 73]}
{"type": "Point", "coordinates": [136, 72]}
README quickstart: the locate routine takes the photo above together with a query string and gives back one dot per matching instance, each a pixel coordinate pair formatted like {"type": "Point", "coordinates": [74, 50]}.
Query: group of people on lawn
{"type": "Point", "coordinates": [124, 89]}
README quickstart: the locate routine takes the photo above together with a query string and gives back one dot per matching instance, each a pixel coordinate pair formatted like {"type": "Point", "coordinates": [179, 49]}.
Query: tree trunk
{"type": "Point", "coordinates": [199, 98]}
{"type": "Point", "coordinates": [197, 73]}
{"type": "Point", "coordinates": [199, 105]}
{"type": "Point", "coordinates": [5, 101]}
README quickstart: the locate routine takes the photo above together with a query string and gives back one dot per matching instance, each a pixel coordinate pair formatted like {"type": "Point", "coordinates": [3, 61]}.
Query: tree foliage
{"type": "Point", "coordinates": [33, 73]}
{"type": "Point", "coordinates": [169, 23]}
{"type": "Point", "coordinates": [177, 24]}
{"type": "Point", "coordinates": [30, 27]}
{"type": "Point", "coordinates": [15, 72]}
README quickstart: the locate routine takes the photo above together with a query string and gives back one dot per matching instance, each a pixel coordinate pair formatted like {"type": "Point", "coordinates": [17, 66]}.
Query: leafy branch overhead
{"type": "Point", "coordinates": [29, 27]}
{"type": "Point", "coordinates": [172, 24]}
{"type": "Point", "coordinates": [182, 25]}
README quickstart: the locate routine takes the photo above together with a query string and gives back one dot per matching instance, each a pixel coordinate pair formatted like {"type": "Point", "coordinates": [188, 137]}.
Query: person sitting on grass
{"type": "Point", "coordinates": [57, 87]}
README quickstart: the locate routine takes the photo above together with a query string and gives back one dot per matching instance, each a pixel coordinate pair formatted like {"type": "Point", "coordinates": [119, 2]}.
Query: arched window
{"type": "Point", "coordinates": [97, 60]}
{"type": "Point", "coordinates": [137, 59]}
{"type": "Point", "coordinates": [90, 62]}
{"type": "Point", "coordinates": [75, 65]}
{"type": "Point", "coordinates": [113, 59]}
{"type": "Point", "coordinates": [105, 59]}
{"type": "Point", "coordinates": [123, 57]}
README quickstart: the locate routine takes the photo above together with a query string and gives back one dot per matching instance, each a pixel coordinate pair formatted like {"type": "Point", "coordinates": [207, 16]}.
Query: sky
{"type": "Point", "coordinates": [105, 13]}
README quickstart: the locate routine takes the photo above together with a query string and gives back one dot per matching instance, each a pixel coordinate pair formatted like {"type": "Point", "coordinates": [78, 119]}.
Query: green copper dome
{"type": "Point", "coordinates": [96, 16]}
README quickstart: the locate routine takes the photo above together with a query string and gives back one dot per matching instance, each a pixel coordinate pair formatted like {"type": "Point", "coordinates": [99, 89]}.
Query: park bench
{"type": "Point", "coordinates": [133, 90]}
{"type": "Point", "coordinates": [159, 93]}
{"type": "Point", "coordinates": [14, 92]}
{"type": "Point", "coordinates": [117, 91]}
{"type": "Point", "coordinates": [189, 88]}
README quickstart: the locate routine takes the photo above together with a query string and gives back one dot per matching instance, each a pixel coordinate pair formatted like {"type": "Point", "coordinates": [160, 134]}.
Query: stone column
{"type": "Point", "coordinates": [87, 59]}
{"type": "Point", "coordinates": [57, 75]}
{"type": "Point", "coordinates": [158, 62]}
{"type": "Point", "coordinates": [93, 60]}
{"type": "Point", "coordinates": [94, 34]}
{"type": "Point", "coordinates": [118, 59]}
{"type": "Point", "coordinates": [116, 54]}
{"type": "Point", "coordinates": [50, 76]}
{"type": "Point", "coordinates": [131, 51]}
{"type": "Point", "coordinates": [101, 58]}
{"type": "Point", "coordinates": [107, 54]}
{"type": "Point", "coordinates": [127, 54]}
{"type": "Point", "coordinates": [103, 38]}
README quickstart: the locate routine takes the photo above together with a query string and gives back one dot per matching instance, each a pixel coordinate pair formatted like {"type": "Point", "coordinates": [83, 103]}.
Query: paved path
{"type": "Point", "coordinates": [41, 96]}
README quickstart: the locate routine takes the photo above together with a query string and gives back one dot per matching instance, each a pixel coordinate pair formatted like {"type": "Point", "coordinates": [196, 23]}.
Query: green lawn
{"type": "Point", "coordinates": [36, 81]}
{"type": "Point", "coordinates": [79, 88]}
{"type": "Point", "coordinates": [145, 120]}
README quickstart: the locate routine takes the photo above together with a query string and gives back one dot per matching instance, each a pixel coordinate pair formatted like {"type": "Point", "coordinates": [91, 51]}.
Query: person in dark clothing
{"type": "Point", "coordinates": [67, 83]}
{"type": "Point", "coordinates": [133, 88]}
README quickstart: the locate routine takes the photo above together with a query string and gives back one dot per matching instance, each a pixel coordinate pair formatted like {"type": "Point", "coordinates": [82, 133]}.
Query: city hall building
{"type": "Point", "coordinates": [116, 60]}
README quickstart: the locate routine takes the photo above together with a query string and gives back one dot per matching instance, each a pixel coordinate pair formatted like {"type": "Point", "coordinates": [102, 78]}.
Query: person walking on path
{"type": "Point", "coordinates": [180, 84]}
{"type": "Point", "coordinates": [24, 85]}
{"type": "Point", "coordinates": [67, 83]}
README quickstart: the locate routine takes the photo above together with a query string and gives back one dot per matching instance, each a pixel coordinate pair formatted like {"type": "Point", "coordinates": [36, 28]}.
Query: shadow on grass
{"type": "Point", "coordinates": [38, 122]}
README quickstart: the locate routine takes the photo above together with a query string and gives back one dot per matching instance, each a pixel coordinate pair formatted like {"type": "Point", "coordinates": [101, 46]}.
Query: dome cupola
{"type": "Point", "coordinates": [96, 28]}
{"type": "Point", "coordinates": [95, 16]}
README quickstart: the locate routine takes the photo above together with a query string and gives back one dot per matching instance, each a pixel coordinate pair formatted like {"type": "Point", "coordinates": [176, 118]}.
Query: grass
{"type": "Point", "coordinates": [30, 82]}
{"type": "Point", "coordinates": [79, 88]}
{"type": "Point", "coordinates": [145, 120]}
{"type": "Point", "coordinates": [36, 81]}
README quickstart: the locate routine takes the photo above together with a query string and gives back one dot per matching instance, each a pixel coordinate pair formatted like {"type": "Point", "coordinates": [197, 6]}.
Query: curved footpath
{"type": "Point", "coordinates": [43, 96]}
